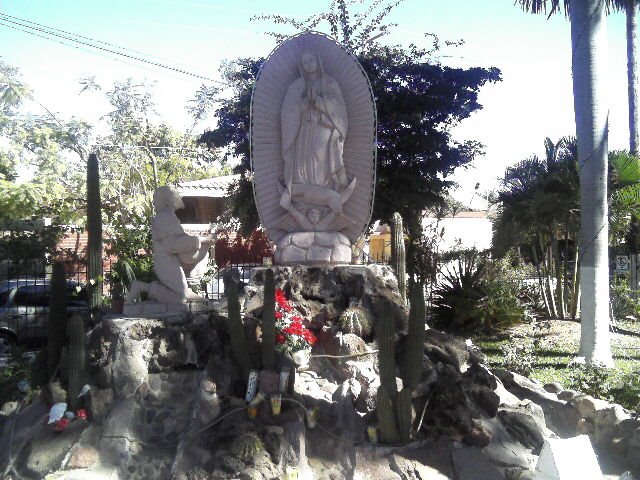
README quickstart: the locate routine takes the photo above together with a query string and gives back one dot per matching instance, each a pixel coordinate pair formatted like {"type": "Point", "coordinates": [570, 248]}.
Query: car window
{"type": "Point", "coordinates": [32, 295]}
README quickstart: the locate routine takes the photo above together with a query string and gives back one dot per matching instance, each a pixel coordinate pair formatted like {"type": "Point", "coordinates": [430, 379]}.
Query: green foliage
{"type": "Point", "coordinates": [247, 446]}
{"type": "Point", "coordinates": [28, 239]}
{"type": "Point", "coordinates": [627, 392]}
{"type": "Point", "coordinates": [518, 356]}
{"type": "Point", "coordinates": [476, 292]}
{"type": "Point", "coordinates": [592, 379]}
{"type": "Point", "coordinates": [356, 320]}
{"type": "Point", "coordinates": [623, 301]}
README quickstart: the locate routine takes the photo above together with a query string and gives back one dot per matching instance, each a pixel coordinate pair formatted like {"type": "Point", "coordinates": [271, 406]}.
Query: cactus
{"type": "Point", "coordinates": [76, 359]}
{"type": "Point", "coordinates": [57, 317]}
{"type": "Point", "coordinates": [269, 322]}
{"type": "Point", "coordinates": [415, 338]}
{"type": "Point", "coordinates": [389, 401]}
{"type": "Point", "coordinates": [247, 446]}
{"type": "Point", "coordinates": [236, 327]}
{"type": "Point", "coordinates": [386, 418]}
{"type": "Point", "coordinates": [404, 412]}
{"type": "Point", "coordinates": [94, 232]}
{"type": "Point", "coordinates": [355, 319]}
{"type": "Point", "coordinates": [398, 255]}
{"type": "Point", "coordinates": [386, 350]}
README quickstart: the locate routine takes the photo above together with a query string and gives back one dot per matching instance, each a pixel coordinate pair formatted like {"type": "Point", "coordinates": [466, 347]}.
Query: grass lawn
{"type": "Point", "coordinates": [554, 344]}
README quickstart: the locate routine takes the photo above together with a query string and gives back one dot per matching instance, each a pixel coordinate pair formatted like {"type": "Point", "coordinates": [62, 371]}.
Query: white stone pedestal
{"type": "Point", "coordinates": [150, 308]}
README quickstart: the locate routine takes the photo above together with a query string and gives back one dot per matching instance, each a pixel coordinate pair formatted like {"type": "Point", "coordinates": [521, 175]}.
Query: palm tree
{"type": "Point", "coordinates": [538, 213]}
{"type": "Point", "coordinates": [588, 46]}
{"type": "Point", "coordinates": [630, 8]}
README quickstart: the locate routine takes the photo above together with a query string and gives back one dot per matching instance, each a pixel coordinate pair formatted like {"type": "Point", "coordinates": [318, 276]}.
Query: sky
{"type": "Point", "coordinates": [533, 101]}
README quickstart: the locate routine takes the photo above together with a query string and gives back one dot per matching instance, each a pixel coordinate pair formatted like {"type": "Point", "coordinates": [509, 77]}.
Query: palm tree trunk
{"type": "Point", "coordinates": [547, 276]}
{"type": "Point", "coordinates": [589, 44]}
{"type": "Point", "coordinates": [632, 76]}
{"type": "Point", "coordinates": [575, 295]}
{"type": "Point", "coordinates": [565, 268]}
{"type": "Point", "coordinates": [543, 290]}
{"type": "Point", "coordinates": [558, 271]}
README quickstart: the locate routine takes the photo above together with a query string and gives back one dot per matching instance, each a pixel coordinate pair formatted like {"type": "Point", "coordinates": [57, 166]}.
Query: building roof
{"type": "Point", "coordinates": [216, 187]}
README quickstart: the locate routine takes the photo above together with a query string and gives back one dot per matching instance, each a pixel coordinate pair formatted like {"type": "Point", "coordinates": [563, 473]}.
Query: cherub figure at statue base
{"type": "Point", "coordinates": [174, 254]}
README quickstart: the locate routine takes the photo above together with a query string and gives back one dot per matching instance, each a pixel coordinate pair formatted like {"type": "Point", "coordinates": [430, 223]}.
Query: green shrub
{"type": "Point", "coordinates": [627, 393]}
{"type": "Point", "coordinates": [518, 356]}
{"type": "Point", "coordinates": [592, 379]}
{"type": "Point", "coordinates": [476, 292]}
{"type": "Point", "coordinates": [623, 300]}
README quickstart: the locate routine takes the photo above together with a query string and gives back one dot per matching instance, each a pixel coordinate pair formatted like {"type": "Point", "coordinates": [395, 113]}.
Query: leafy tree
{"type": "Point", "coordinates": [137, 155]}
{"type": "Point", "coordinates": [588, 45]}
{"type": "Point", "coordinates": [418, 102]}
{"type": "Point", "coordinates": [50, 149]}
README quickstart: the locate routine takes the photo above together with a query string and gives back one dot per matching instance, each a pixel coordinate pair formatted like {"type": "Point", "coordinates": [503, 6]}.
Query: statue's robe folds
{"type": "Point", "coordinates": [313, 136]}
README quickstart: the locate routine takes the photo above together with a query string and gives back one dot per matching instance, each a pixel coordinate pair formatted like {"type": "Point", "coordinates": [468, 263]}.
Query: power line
{"type": "Point", "coordinates": [48, 32]}
{"type": "Point", "coordinates": [77, 35]}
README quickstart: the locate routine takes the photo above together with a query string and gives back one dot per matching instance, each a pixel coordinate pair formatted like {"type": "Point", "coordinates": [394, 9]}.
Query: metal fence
{"type": "Point", "coordinates": [25, 294]}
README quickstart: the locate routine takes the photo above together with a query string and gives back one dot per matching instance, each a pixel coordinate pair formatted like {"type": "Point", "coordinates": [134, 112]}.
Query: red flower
{"type": "Point", "coordinates": [280, 339]}
{"type": "Point", "coordinates": [280, 298]}
{"type": "Point", "coordinates": [61, 424]}
{"type": "Point", "coordinates": [82, 413]}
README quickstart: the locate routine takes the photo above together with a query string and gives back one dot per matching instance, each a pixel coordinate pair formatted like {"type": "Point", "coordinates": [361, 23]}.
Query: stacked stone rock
{"type": "Point", "coordinates": [151, 378]}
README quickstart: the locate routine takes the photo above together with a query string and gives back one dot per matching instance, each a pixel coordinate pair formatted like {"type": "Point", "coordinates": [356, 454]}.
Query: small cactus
{"type": "Point", "coordinates": [398, 255]}
{"type": "Point", "coordinates": [247, 446]}
{"type": "Point", "coordinates": [76, 360]}
{"type": "Point", "coordinates": [236, 327]}
{"type": "Point", "coordinates": [269, 322]}
{"type": "Point", "coordinates": [356, 320]}
{"type": "Point", "coordinates": [57, 317]}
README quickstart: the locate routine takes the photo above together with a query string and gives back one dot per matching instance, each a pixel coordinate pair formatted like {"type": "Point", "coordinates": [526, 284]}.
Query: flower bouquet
{"type": "Point", "coordinates": [291, 334]}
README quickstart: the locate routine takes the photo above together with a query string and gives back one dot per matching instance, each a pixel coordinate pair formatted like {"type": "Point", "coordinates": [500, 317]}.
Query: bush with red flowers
{"type": "Point", "coordinates": [291, 334]}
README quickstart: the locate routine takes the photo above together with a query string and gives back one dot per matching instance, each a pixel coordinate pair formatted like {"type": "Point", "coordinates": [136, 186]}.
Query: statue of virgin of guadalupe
{"type": "Point", "coordinates": [314, 127]}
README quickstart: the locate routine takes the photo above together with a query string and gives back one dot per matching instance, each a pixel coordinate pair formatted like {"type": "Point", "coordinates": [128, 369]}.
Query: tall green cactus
{"type": "Point", "coordinates": [398, 255]}
{"type": "Point", "coordinates": [235, 326]}
{"type": "Point", "coordinates": [76, 360]}
{"type": "Point", "coordinates": [387, 367]}
{"type": "Point", "coordinates": [395, 410]}
{"type": "Point", "coordinates": [94, 232]}
{"type": "Point", "coordinates": [57, 317]}
{"type": "Point", "coordinates": [415, 337]}
{"type": "Point", "coordinates": [269, 322]}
